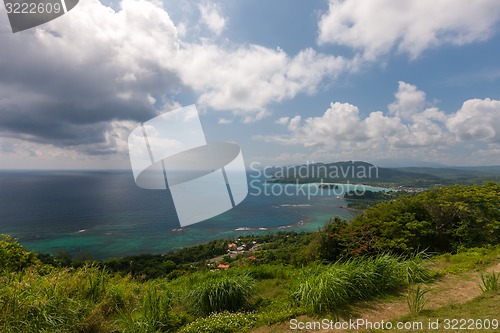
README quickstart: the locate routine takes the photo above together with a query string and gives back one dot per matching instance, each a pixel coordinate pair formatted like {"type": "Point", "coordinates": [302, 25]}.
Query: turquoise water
{"type": "Point", "coordinates": [102, 214]}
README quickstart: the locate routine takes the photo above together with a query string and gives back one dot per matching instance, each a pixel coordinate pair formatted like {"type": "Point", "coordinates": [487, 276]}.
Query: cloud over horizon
{"type": "Point", "coordinates": [410, 123]}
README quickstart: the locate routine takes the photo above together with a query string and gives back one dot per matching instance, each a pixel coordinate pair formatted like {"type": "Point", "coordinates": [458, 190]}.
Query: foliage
{"type": "Point", "coordinates": [465, 260]}
{"type": "Point", "coordinates": [163, 293]}
{"type": "Point", "coordinates": [220, 292]}
{"type": "Point", "coordinates": [286, 248]}
{"type": "Point", "coordinates": [265, 271]}
{"type": "Point", "coordinates": [443, 219]}
{"type": "Point", "coordinates": [223, 322]}
{"type": "Point", "coordinates": [61, 301]}
{"type": "Point", "coordinates": [86, 299]}
{"type": "Point", "coordinates": [277, 248]}
{"type": "Point", "coordinates": [171, 264]}
{"type": "Point", "coordinates": [13, 257]}
{"type": "Point", "coordinates": [369, 198]}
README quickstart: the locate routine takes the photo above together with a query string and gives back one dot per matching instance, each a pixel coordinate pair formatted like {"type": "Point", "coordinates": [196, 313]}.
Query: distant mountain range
{"type": "Point", "coordinates": [359, 172]}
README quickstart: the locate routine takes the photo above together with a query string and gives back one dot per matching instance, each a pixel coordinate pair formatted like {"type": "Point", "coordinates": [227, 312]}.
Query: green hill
{"type": "Point", "coordinates": [367, 173]}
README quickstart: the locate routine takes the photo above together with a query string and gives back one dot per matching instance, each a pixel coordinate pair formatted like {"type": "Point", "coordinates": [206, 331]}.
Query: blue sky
{"type": "Point", "coordinates": [291, 81]}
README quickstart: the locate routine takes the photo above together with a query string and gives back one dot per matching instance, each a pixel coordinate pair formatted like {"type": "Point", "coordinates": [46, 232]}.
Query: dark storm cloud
{"type": "Point", "coordinates": [59, 90]}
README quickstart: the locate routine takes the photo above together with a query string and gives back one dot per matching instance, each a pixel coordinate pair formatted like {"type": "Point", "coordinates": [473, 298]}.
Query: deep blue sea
{"type": "Point", "coordinates": [103, 214]}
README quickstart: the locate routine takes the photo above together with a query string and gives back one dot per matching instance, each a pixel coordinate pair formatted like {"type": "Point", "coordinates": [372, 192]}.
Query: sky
{"type": "Point", "coordinates": [291, 81]}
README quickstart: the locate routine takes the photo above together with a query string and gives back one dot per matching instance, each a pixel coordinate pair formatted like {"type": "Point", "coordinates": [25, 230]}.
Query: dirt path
{"type": "Point", "coordinates": [450, 289]}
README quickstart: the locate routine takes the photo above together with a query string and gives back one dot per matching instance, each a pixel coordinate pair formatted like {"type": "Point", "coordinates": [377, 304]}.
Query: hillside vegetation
{"type": "Point", "coordinates": [356, 172]}
{"type": "Point", "coordinates": [443, 219]}
{"type": "Point", "coordinates": [381, 252]}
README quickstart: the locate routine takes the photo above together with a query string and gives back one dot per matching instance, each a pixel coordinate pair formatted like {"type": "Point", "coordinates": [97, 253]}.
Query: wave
{"type": "Point", "coordinates": [242, 229]}
{"type": "Point", "coordinates": [295, 205]}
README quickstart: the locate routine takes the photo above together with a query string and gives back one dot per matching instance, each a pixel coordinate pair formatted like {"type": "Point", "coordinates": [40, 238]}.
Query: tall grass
{"type": "Point", "coordinates": [416, 299]}
{"type": "Point", "coordinates": [323, 288]}
{"type": "Point", "coordinates": [153, 315]}
{"type": "Point", "coordinates": [82, 300]}
{"type": "Point", "coordinates": [221, 292]}
{"type": "Point", "coordinates": [266, 271]}
{"type": "Point", "coordinates": [490, 282]}
{"type": "Point", "coordinates": [96, 283]}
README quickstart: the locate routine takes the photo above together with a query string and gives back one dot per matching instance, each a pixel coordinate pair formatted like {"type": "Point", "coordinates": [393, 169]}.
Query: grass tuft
{"type": "Point", "coordinates": [490, 282]}
{"type": "Point", "coordinates": [416, 299]}
{"type": "Point", "coordinates": [324, 288]}
{"type": "Point", "coordinates": [218, 293]}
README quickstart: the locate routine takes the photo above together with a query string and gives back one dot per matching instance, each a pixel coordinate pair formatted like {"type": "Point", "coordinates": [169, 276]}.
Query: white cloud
{"type": "Point", "coordinates": [374, 27]}
{"type": "Point", "coordinates": [210, 15]}
{"type": "Point", "coordinates": [96, 66]}
{"type": "Point", "coordinates": [246, 79]}
{"type": "Point", "coordinates": [477, 119]}
{"type": "Point", "coordinates": [409, 101]}
{"type": "Point", "coordinates": [426, 135]}
{"type": "Point", "coordinates": [224, 121]}
{"type": "Point", "coordinates": [283, 121]}
{"type": "Point", "coordinates": [407, 128]}
{"type": "Point", "coordinates": [294, 123]}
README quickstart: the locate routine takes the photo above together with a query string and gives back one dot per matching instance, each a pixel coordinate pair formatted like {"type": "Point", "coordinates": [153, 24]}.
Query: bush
{"type": "Point", "coordinates": [443, 219]}
{"type": "Point", "coordinates": [220, 293]}
{"type": "Point", "coordinates": [13, 257]}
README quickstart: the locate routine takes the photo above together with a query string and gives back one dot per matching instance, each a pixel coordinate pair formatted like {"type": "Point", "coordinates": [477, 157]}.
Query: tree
{"type": "Point", "coordinates": [13, 257]}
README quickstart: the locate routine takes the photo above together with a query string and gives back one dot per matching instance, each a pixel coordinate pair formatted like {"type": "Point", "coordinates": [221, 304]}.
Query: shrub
{"type": "Point", "coordinates": [442, 219]}
{"type": "Point", "coordinates": [13, 257]}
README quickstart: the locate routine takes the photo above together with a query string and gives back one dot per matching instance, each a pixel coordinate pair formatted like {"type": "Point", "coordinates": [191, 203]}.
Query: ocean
{"type": "Point", "coordinates": [103, 214]}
